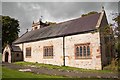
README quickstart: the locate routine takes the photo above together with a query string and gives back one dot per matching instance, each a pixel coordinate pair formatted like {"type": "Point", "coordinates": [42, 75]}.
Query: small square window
{"type": "Point", "coordinates": [48, 52]}
{"type": "Point", "coordinates": [28, 52]}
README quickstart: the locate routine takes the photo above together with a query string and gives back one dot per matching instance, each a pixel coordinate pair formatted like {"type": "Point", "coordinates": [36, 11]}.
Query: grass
{"type": "Point", "coordinates": [9, 73]}
{"type": "Point", "coordinates": [63, 68]}
{"type": "Point", "coordinates": [0, 65]}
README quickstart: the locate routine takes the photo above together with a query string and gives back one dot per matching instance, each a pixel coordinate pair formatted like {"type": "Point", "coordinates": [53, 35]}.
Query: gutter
{"type": "Point", "coordinates": [23, 51]}
{"type": "Point", "coordinates": [63, 50]}
{"type": "Point", "coordinates": [54, 37]}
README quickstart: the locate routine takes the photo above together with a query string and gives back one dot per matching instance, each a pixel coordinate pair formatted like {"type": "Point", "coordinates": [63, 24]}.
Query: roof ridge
{"type": "Point", "coordinates": [81, 24]}
{"type": "Point", "coordinates": [65, 22]}
{"type": "Point", "coordinates": [20, 37]}
{"type": "Point", "coordinates": [71, 20]}
{"type": "Point", "coordinates": [79, 18]}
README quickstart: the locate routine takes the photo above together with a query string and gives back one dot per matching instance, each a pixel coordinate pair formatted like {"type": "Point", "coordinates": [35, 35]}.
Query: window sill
{"type": "Point", "coordinates": [28, 56]}
{"type": "Point", "coordinates": [84, 58]}
{"type": "Point", "coordinates": [48, 57]}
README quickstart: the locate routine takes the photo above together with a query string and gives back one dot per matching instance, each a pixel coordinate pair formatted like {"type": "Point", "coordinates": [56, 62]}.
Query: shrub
{"type": "Point", "coordinates": [112, 66]}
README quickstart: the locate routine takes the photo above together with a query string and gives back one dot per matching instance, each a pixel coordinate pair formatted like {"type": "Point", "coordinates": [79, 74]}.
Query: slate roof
{"type": "Point", "coordinates": [74, 26]}
{"type": "Point", "coordinates": [16, 49]}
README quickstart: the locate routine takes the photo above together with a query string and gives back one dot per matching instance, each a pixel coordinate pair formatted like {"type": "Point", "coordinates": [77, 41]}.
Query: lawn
{"type": "Point", "coordinates": [0, 65]}
{"type": "Point", "coordinates": [9, 73]}
{"type": "Point", "coordinates": [66, 68]}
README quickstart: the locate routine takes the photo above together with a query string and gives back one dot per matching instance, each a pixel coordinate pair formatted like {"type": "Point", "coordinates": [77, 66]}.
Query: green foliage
{"type": "Point", "coordinates": [10, 30]}
{"type": "Point", "coordinates": [106, 30]}
{"type": "Point", "coordinates": [106, 33]}
{"type": "Point", "coordinates": [93, 12]}
{"type": "Point", "coordinates": [117, 20]}
{"type": "Point", "coordinates": [0, 32]}
{"type": "Point", "coordinates": [113, 66]}
{"type": "Point", "coordinates": [118, 49]}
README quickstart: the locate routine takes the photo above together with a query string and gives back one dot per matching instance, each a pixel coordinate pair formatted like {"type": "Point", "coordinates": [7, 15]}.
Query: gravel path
{"type": "Point", "coordinates": [62, 73]}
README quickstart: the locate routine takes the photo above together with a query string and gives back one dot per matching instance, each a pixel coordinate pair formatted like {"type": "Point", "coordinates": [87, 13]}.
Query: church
{"type": "Point", "coordinates": [75, 43]}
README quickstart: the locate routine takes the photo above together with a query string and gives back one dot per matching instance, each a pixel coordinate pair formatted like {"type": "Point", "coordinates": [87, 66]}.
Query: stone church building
{"type": "Point", "coordinates": [76, 43]}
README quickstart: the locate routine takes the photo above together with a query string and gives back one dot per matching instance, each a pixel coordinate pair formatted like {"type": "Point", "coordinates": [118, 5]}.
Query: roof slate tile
{"type": "Point", "coordinates": [83, 24]}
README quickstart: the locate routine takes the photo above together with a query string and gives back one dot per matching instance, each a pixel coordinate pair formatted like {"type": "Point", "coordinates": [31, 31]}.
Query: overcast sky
{"type": "Point", "coordinates": [27, 12]}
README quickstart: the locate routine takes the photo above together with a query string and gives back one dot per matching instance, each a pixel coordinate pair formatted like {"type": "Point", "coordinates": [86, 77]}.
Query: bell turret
{"type": "Point", "coordinates": [35, 25]}
{"type": "Point", "coordinates": [39, 24]}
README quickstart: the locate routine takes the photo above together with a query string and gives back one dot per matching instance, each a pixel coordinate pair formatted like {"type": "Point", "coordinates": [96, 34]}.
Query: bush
{"type": "Point", "coordinates": [112, 66]}
{"type": "Point", "coordinates": [118, 49]}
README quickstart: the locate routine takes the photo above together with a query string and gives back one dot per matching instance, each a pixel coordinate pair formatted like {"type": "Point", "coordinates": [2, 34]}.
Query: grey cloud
{"type": "Point", "coordinates": [26, 12]}
{"type": "Point", "coordinates": [61, 0]}
{"type": "Point", "coordinates": [0, 7]}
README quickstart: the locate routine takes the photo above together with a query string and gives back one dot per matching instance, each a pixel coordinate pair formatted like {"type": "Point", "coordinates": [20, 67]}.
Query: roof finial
{"type": "Point", "coordinates": [40, 18]}
{"type": "Point", "coordinates": [102, 8]}
{"type": "Point", "coordinates": [27, 30]}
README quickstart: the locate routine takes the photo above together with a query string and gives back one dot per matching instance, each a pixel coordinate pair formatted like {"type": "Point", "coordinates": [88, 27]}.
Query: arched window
{"type": "Point", "coordinates": [77, 51]}
{"type": "Point", "coordinates": [80, 50]}
{"type": "Point", "coordinates": [46, 51]}
{"type": "Point", "coordinates": [51, 51]}
{"type": "Point", "coordinates": [88, 50]}
{"type": "Point", "coordinates": [84, 48]}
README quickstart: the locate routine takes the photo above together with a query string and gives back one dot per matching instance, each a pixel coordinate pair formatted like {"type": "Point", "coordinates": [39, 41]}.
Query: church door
{"type": "Point", "coordinates": [6, 57]}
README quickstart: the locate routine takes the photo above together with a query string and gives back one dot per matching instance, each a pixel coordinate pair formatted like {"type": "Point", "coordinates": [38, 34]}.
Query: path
{"type": "Point", "coordinates": [62, 73]}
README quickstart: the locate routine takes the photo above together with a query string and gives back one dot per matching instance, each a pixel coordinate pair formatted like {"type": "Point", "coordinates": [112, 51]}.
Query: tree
{"type": "Point", "coordinates": [0, 33]}
{"type": "Point", "coordinates": [93, 12]}
{"type": "Point", "coordinates": [117, 20]}
{"type": "Point", "coordinates": [10, 30]}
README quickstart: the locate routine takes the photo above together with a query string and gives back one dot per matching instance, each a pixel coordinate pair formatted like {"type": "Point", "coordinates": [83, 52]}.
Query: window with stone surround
{"type": "Point", "coordinates": [48, 52]}
{"type": "Point", "coordinates": [28, 52]}
{"type": "Point", "coordinates": [82, 51]}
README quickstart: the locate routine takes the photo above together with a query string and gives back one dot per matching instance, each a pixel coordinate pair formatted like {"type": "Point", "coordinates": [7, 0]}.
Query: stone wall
{"type": "Point", "coordinates": [103, 24]}
{"type": "Point", "coordinates": [37, 51]}
{"type": "Point", "coordinates": [70, 41]}
{"type": "Point", "coordinates": [7, 49]}
{"type": "Point", "coordinates": [93, 39]}
{"type": "Point", "coordinates": [17, 56]}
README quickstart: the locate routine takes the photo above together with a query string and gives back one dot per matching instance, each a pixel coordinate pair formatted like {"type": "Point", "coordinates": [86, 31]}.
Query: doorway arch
{"type": "Point", "coordinates": [6, 56]}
